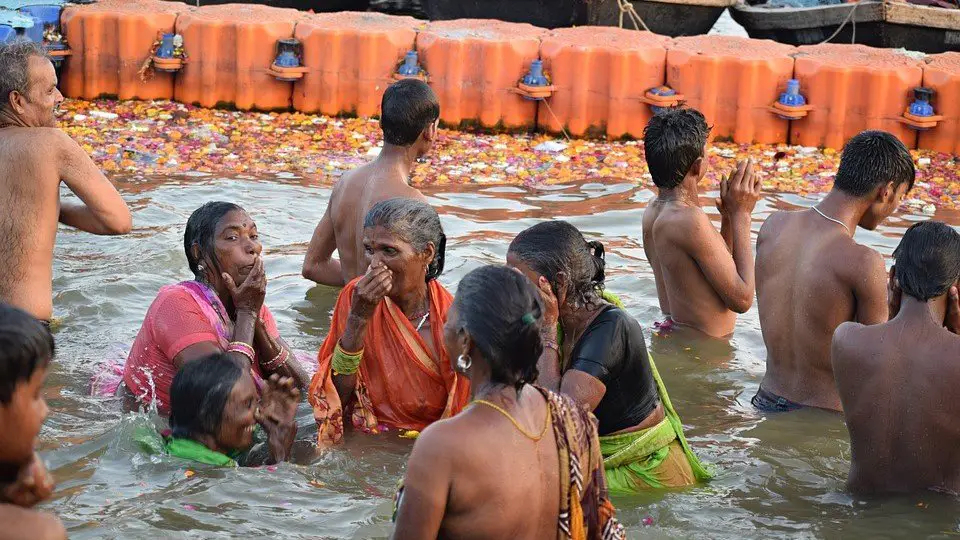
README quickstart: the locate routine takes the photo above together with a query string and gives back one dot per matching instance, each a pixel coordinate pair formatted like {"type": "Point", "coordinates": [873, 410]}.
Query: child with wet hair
{"type": "Point", "coordinates": [26, 350]}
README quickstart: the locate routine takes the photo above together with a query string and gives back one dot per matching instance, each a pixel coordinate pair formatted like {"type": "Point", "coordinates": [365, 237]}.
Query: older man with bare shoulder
{"type": "Point", "coordinates": [35, 158]}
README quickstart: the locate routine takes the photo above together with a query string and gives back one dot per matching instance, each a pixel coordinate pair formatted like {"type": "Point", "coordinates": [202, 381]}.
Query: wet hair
{"type": "Point", "coordinates": [26, 345]}
{"type": "Point", "coordinates": [673, 140]}
{"type": "Point", "coordinates": [202, 232]}
{"type": "Point", "coordinates": [554, 247]}
{"type": "Point", "coordinates": [501, 310]}
{"type": "Point", "coordinates": [199, 393]}
{"type": "Point", "coordinates": [14, 66]}
{"type": "Point", "coordinates": [408, 107]}
{"type": "Point", "coordinates": [928, 260]}
{"type": "Point", "coordinates": [871, 159]}
{"type": "Point", "coordinates": [414, 222]}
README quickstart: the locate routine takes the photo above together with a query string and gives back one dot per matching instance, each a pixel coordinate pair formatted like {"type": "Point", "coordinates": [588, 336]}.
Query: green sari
{"type": "Point", "coordinates": [151, 441]}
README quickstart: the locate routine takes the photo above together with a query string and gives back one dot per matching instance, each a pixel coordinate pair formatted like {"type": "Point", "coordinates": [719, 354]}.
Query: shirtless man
{"type": "Point", "coordinates": [812, 276]}
{"type": "Point", "coordinates": [409, 115]}
{"type": "Point", "coordinates": [898, 380]}
{"type": "Point", "coordinates": [35, 158]}
{"type": "Point", "coordinates": [704, 277]}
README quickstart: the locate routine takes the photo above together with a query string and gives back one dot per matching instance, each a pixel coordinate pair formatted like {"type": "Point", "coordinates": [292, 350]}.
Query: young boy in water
{"type": "Point", "coordinates": [704, 277]}
{"type": "Point", "coordinates": [26, 349]}
{"type": "Point", "coordinates": [897, 380]}
{"type": "Point", "coordinates": [409, 115]}
{"type": "Point", "coordinates": [812, 276]}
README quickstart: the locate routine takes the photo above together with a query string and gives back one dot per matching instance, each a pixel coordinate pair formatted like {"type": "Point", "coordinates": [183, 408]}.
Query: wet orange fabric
{"type": "Point", "coordinates": [400, 385]}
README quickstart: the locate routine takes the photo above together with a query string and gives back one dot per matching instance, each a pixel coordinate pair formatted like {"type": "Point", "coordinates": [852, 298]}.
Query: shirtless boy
{"type": "Point", "coordinates": [26, 349]}
{"type": "Point", "coordinates": [704, 277]}
{"type": "Point", "coordinates": [35, 157]}
{"type": "Point", "coordinates": [409, 114]}
{"type": "Point", "coordinates": [898, 380]}
{"type": "Point", "coordinates": [812, 276]}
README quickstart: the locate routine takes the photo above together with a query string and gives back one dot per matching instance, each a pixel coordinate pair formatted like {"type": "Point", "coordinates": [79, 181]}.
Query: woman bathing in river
{"type": "Point", "coordinates": [521, 462]}
{"type": "Point", "coordinates": [594, 351]}
{"type": "Point", "coordinates": [384, 357]}
{"type": "Point", "coordinates": [221, 309]}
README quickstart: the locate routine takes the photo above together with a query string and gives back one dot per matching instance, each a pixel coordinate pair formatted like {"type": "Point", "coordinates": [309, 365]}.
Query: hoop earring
{"type": "Point", "coordinates": [463, 363]}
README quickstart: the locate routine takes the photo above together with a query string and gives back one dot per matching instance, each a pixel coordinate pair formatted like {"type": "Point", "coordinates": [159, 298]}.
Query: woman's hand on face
{"type": "Point", "coordinates": [370, 290]}
{"type": "Point", "coordinates": [250, 294]}
{"type": "Point", "coordinates": [33, 485]}
{"type": "Point", "coordinates": [551, 309]}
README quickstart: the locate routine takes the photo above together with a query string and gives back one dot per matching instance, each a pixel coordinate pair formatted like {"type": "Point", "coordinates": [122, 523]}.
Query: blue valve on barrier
{"type": "Point", "coordinates": [791, 105]}
{"type": "Point", "coordinates": [286, 66]}
{"type": "Point", "coordinates": [535, 85]}
{"type": "Point", "coordinates": [166, 46]}
{"type": "Point", "coordinates": [661, 98]}
{"type": "Point", "coordinates": [919, 114]}
{"type": "Point", "coordinates": [410, 66]}
{"type": "Point", "coordinates": [792, 96]}
{"type": "Point", "coordinates": [169, 54]}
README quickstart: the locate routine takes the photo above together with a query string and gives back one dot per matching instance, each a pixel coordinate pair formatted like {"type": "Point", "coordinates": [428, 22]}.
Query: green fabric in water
{"type": "Point", "coordinates": [152, 443]}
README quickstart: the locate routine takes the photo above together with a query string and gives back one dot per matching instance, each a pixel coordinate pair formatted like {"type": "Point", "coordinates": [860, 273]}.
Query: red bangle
{"type": "Point", "coordinates": [242, 348]}
{"type": "Point", "coordinates": [279, 360]}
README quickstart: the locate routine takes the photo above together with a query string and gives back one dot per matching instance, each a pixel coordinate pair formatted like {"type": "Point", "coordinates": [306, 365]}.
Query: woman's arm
{"type": "Point", "coordinates": [426, 488]}
{"type": "Point", "coordinates": [269, 348]}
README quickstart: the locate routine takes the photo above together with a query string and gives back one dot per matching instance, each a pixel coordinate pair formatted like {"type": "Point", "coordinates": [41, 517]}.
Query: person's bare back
{"type": "Point", "coordinates": [35, 157]}
{"type": "Point", "coordinates": [409, 118]}
{"type": "Point", "coordinates": [898, 380]}
{"type": "Point", "coordinates": [812, 276]}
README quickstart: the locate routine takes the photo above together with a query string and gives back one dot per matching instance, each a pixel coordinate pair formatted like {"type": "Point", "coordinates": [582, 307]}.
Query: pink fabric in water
{"type": "Point", "coordinates": [182, 315]}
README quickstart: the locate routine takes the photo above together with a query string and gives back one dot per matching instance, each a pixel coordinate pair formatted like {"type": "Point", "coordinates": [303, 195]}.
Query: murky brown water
{"type": "Point", "coordinates": [779, 476]}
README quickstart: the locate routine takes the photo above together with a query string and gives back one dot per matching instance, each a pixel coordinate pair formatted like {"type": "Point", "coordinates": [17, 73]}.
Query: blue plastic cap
{"type": "Point", "coordinates": [411, 64]}
{"type": "Point", "coordinates": [287, 59]}
{"type": "Point", "coordinates": [535, 77]}
{"type": "Point", "coordinates": [921, 104]}
{"type": "Point", "coordinates": [664, 91]}
{"type": "Point", "coordinates": [166, 46]}
{"type": "Point", "coordinates": [792, 97]}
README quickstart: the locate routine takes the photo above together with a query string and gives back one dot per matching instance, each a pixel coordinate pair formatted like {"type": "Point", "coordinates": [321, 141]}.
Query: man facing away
{"type": "Point", "coordinates": [898, 380]}
{"type": "Point", "coordinates": [409, 114]}
{"type": "Point", "coordinates": [35, 157]}
{"type": "Point", "coordinates": [704, 277]}
{"type": "Point", "coordinates": [812, 276]}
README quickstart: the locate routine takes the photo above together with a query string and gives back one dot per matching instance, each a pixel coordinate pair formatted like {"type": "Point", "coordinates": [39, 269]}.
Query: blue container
{"type": "Point", "coordinates": [166, 46]}
{"type": "Point", "coordinates": [43, 16]}
{"type": "Point", "coordinates": [664, 92]}
{"type": "Point", "coordinates": [792, 96]}
{"type": "Point", "coordinates": [411, 65]}
{"type": "Point", "coordinates": [535, 77]}
{"type": "Point", "coordinates": [921, 104]}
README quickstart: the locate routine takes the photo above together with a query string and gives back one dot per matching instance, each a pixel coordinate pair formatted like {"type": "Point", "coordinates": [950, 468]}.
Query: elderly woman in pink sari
{"type": "Point", "coordinates": [221, 310]}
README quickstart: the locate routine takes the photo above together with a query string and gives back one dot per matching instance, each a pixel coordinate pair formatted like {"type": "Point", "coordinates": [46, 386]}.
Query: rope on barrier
{"type": "Point", "coordinates": [626, 8]}
{"type": "Point", "coordinates": [557, 120]}
{"type": "Point", "coordinates": [853, 39]}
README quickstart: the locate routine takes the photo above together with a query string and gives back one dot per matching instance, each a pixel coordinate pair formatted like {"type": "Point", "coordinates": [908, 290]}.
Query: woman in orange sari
{"type": "Point", "coordinates": [384, 361]}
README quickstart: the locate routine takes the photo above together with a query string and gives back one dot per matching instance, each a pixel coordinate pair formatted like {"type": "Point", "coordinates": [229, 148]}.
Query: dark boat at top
{"type": "Point", "coordinates": [888, 24]}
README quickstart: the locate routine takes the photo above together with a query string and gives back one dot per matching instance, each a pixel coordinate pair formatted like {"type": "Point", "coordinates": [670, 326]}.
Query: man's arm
{"type": "Point", "coordinates": [730, 275]}
{"type": "Point", "coordinates": [22, 524]}
{"type": "Point", "coordinates": [103, 211]}
{"type": "Point", "coordinates": [870, 288]}
{"type": "Point", "coordinates": [426, 488]}
{"type": "Point", "coordinates": [319, 264]}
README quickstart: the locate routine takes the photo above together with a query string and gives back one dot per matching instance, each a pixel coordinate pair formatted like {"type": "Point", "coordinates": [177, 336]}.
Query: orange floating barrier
{"type": "Point", "coordinates": [600, 75]}
{"type": "Point", "coordinates": [350, 59]}
{"type": "Point", "coordinates": [474, 66]}
{"type": "Point", "coordinates": [733, 81]}
{"type": "Point", "coordinates": [110, 40]}
{"type": "Point", "coordinates": [230, 49]}
{"type": "Point", "coordinates": [851, 88]}
{"type": "Point", "coordinates": [942, 74]}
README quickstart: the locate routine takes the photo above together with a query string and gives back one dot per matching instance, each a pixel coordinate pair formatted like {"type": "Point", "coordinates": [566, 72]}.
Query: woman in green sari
{"type": "Point", "coordinates": [595, 352]}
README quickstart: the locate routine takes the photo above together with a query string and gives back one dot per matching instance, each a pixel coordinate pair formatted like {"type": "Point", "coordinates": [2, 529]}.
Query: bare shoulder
{"type": "Point", "coordinates": [22, 523]}
{"type": "Point", "coordinates": [774, 224]}
{"type": "Point", "coordinates": [440, 438]}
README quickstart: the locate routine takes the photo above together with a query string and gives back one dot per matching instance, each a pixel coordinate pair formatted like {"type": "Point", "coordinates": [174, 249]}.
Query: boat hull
{"type": "Point", "coordinates": [669, 18]}
{"type": "Point", "coordinates": [543, 13]}
{"type": "Point", "coordinates": [302, 5]}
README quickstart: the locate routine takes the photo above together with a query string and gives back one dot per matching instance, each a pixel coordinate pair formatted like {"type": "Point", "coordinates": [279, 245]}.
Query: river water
{"type": "Point", "coordinates": [778, 476]}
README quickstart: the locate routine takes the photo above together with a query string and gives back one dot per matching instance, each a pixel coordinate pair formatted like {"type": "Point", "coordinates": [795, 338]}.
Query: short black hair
{"type": "Point", "coordinates": [552, 247]}
{"type": "Point", "coordinates": [408, 107]}
{"type": "Point", "coordinates": [928, 260]}
{"type": "Point", "coordinates": [26, 345]}
{"type": "Point", "coordinates": [501, 310]}
{"type": "Point", "coordinates": [202, 231]}
{"type": "Point", "coordinates": [673, 140]}
{"type": "Point", "coordinates": [415, 222]}
{"type": "Point", "coordinates": [871, 159]}
{"type": "Point", "coordinates": [198, 394]}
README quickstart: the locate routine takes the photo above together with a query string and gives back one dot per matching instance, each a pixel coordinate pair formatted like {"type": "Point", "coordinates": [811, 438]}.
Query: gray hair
{"type": "Point", "coordinates": [414, 222]}
{"type": "Point", "coordinates": [14, 61]}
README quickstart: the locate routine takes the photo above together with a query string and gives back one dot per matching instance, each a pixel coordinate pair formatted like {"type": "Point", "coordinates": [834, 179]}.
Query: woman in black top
{"type": "Point", "coordinates": [594, 351]}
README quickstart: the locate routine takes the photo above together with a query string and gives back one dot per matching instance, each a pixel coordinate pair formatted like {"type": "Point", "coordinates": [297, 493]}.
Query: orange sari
{"type": "Point", "coordinates": [400, 385]}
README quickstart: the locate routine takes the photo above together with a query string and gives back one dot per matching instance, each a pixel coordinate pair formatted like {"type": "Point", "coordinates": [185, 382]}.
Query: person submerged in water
{"type": "Point", "coordinates": [221, 309]}
{"type": "Point", "coordinates": [384, 357]}
{"type": "Point", "coordinates": [897, 380]}
{"type": "Point", "coordinates": [521, 461]}
{"type": "Point", "coordinates": [26, 350]}
{"type": "Point", "coordinates": [215, 408]}
{"type": "Point", "coordinates": [36, 157]}
{"type": "Point", "coordinates": [595, 352]}
{"type": "Point", "coordinates": [409, 115]}
{"type": "Point", "coordinates": [812, 276]}
{"type": "Point", "coordinates": [704, 278]}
